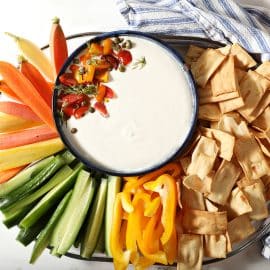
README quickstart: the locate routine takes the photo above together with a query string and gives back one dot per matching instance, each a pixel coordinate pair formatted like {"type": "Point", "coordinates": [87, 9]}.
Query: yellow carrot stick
{"type": "Point", "coordinates": [21, 155]}
{"type": "Point", "coordinates": [34, 55]}
{"type": "Point", "coordinates": [9, 123]}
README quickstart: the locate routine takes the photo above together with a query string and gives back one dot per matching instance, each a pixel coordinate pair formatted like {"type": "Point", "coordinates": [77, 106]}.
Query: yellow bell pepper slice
{"type": "Point", "coordinates": [143, 263]}
{"type": "Point", "coordinates": [170, 247]}
{"type": "Point", "coordinates": [152, 207]}
{"type": "Point", "coordinates": [121, 258]}
{"type": "Point", "coordinates": [150, 235]}
{"type": "Point", "coordinates": [158, 257]}
{"type": "Point", "coordinates": [172, 168]}
{"type": "Point", "coordinates": [126, 202]}
{"type": "Point", "coordinates": [166, 187]}
{"type": "Point", "coordinates": [136, 222]}
{"type": "Point", "coordinates": [123, 232]}
{"type": "Point", "coordinates": [131, 178]}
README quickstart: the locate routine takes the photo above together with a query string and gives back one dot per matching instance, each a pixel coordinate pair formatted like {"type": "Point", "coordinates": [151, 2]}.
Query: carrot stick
{"type": "Point", "coordinates": [58, 46]}
{"type": "Point", "coordinates": [26, 92]}
{"type": "Point", "coordinates": [34, 55]}
{"type": "Point", "coordinates": [19, 110]}
{"type": "Point", "coordinates": [5, 89]}
{"type": "Point", "coordinates": [38, 81]}
{"type": "Point", "coordinates": [8, 174]}
{"type": "Point", "coordinates": [27, 136]}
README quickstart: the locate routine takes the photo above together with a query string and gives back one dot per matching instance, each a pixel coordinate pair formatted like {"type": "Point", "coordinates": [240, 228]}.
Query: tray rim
{"type": "Point", "coordinates": [178, 41]}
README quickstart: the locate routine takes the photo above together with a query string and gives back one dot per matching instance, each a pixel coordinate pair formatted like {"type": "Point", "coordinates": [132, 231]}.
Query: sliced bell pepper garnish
{"type": "Point", "coordinates": [83, 58]}
{"type": "Point", "coordinates": [80, 112]}
{"type": "Point", "coordinates": [107, 46]}
{"type": "Point", "coordinates": [87, 76]}
{"type": "Point", "coordinates": [95, 49]}
{"type": "Point", "coordinates": [101, 93]}
{"type": "Point", "coordinates": [75, 98]}
{"type": "Point", "coordinates": [166, 187]}
{"type": "Point", "coordinates": [172, 168]}
{"type": "Point", "coordinates": [73, 68]}
{"type": "Point", "coordinates": [68, 79]}
{"type": "Point", "coordinates": [99, 106]}
{"type": "Point", "coordinates": [121, 258]}
{"type": "Point", "coordinates": [110, 93]}
{"type": "Point", "coordinates": [68, 110]}
{"type": "Point", "coordinates": [102, 65]}
{"type": "Point", "coordinates": [102, 76]}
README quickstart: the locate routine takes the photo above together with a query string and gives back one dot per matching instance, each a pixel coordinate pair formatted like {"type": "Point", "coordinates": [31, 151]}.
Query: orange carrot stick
{"type": "Point", "coordinates": [58, 46]}
{"type": "Point", "coordinates": [5, 89]}
{"type": "Point", "coordinates": [35, 77]}
{"type": "Point", "coordinates": [27, 136]}
{"type": "Point", "coordinates": [19, 110]}
{"type": "Point", "coordinates": [8, 174]}
{"type": "Point", "coordinates": [26, 92]}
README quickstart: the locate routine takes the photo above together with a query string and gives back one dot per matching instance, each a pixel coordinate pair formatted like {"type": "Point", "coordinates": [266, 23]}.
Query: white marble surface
{"type": "Point", "coordinates": [32, 19]}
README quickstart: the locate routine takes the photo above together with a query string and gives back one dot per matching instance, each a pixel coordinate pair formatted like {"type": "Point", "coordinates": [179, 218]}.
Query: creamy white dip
{"type": "Point", "coordinates": [149, 119]}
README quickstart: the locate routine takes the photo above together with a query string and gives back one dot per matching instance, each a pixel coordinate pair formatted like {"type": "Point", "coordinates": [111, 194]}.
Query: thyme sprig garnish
{"type": "Point", "coordinates": [87, 89]}
{"type": "Point", "coordinates": [139, 63]}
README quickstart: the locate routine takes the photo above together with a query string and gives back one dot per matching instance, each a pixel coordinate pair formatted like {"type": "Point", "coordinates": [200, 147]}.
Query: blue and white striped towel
{"type": "Point", "coordinates": [220, 20]}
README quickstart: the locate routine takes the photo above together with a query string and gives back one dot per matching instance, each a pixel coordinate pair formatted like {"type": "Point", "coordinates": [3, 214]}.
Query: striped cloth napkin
{"type": "Point", "coordinates": [220, 20]}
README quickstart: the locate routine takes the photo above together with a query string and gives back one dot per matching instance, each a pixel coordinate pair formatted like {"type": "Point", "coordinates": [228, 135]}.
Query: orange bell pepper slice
{"type": "Point", "coordinates": [121, 257]}
{"type": "Point", "coordinates": [102, 76]}
{"type": "Point", "coordinates": [166, 187]}
{"type": "Point", "coordinates": [101, 93]}
{"type": "Point", "coordinates": [95, 49]}
{"type": "Point", "coordinates": [107, 46]}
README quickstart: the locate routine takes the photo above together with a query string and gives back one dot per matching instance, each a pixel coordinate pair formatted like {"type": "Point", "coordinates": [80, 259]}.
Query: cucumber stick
{"type": "Point", "coordinates": [14, 218]}
{"type": "Point", "coordinates": [62, 174]}
{"type": "Point", "coordinates": [44, 236]}
{"type": "Point", "coordinates": [114, 186]}
{"type": "Point", "coordinates": [100, 248]}
{"type": "Point", "coordinates": [94, 223]}
{"type": "Point", "coordinates": [50, 199]}
{"type": "Point", "coordinates": [30, 186]}
{"type": "Point", "coordinates": [23, 176]}
{"type": "Point", "coordinates": [26, 236]}
{"type": "Point", "coordinates": [71, 221]}
{"type": "Point", "coordinates": [33, 183]}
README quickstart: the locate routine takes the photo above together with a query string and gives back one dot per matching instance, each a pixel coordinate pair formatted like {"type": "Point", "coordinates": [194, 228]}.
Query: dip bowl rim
{"type": "Point", "coordinates": [191, 86]}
